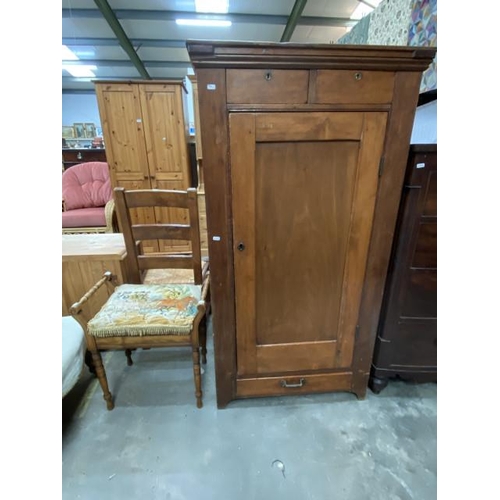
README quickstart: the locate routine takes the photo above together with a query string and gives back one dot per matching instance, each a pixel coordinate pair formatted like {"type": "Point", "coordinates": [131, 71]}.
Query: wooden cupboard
{"type": "Point", "coordinates": [146, 135]}
{"type": "Point", "coordinates": [406, 345]}
{"type": "Point", "coordinates": [85, 258]}
{"type": "Point", "coordinates": [304, 149]}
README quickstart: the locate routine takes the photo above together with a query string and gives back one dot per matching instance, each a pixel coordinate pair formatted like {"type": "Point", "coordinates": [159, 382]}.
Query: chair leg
{"type": "Point", "coordinates": [197, 376]}
{"type": "Point", "coordinates": [101, 375]}
{"type": "Point", "coordinates": [89, 362]}
{"type": "Point", "coordinates": [202, 329]}
{"type": "Point", "coordinates": [128, 353]}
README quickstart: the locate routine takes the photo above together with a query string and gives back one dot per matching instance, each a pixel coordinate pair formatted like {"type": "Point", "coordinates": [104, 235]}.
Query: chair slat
{"type": "Point", "coordinates": [156, 197]}
{"type": "Point", "coordinates": [165, 262]}
{"type": "Point", "coordinates": [161, 231]}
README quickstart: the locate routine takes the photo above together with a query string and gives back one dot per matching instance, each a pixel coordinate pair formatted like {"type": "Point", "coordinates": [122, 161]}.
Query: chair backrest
{"type": "Point", "coordinates": [86, 185]}
{"type": "Point", "coordinates": [138, 262]}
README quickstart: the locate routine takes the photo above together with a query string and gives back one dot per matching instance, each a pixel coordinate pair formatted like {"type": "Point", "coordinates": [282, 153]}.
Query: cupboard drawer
{"type": "Point", "coordinates": [352, 87]}
{"type": "Point", "coordinates": [304, 384]}
{"type": "Point", "coordinates": [267, 86]}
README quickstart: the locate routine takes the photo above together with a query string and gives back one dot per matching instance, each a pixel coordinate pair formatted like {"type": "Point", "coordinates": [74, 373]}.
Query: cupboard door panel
{"type": "Point", "coordinates": [122, 123]}
{"type": "Point", "coordinates": [302, 214]}
{"type": "Point", "coordinates": [301, 241]}
{"type": "Point", "coordinates": [165, 133]}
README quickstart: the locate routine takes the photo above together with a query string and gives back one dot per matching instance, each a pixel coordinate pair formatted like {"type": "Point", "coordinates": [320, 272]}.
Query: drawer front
{"type": "Point", "coordinates": [267, 86]}
{"type": "Point", "coordinates": [288, 385]}
{"type": "Point", "coordinates": [425, 255]}
{"type": "Point", "coordinates": [413, 346]}
{"type": "Point", "coordinates": [420, 299]}
{"type": "Point", "coordinates": [352, 87]}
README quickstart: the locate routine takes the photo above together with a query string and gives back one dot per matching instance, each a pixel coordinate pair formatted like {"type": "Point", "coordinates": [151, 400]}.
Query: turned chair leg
{"type": "Point", "coordinates": [197, 376]}
{"type": "Point", "coordinates": [89, 362]}
{"type": "Point", "coordinates": [202, 329]}
{"type": "Point", "coordinates": [101, 375]}
{"type": "Point", "coordinates": [128, 353]}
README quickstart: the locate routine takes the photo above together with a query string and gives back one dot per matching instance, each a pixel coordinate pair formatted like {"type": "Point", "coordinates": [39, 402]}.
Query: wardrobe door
{"type": "Point", "coordinates": [303, 195]}
{"type": "Point", "coordinates": [165, 135]}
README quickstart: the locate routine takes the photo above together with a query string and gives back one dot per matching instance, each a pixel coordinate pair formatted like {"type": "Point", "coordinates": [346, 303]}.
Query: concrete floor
{"type": "Point", "coordinates": [156, 444]}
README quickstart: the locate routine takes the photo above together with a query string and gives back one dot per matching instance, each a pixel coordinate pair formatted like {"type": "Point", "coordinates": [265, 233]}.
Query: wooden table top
{"type": "Point", "coordinates": [110, 246]}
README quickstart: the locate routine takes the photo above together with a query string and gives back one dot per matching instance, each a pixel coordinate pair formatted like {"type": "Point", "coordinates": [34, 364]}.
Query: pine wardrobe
{"type": "Point", "coordinates": [145, 130]}
{"type": "Point", "coordinates": [304, 154]}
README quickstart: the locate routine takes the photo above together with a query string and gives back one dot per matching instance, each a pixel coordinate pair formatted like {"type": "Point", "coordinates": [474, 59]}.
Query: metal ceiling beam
{"type": "Point", "coordinates": [164, 15]}
{"type": "Point", "coordinates": [113, 42]}
{"type": "Point", "coordinates": [115, 25]}
{"type": "Point", "coordinates": [297, 9]}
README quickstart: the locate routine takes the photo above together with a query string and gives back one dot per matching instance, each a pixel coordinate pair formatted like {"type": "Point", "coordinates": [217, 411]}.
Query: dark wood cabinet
{"type": "Point", "coordinates": [407, 334]}
{"type": "Point", "coordinates": [71, 156]}
{"type": "Point", "coordinates": [304, 150]}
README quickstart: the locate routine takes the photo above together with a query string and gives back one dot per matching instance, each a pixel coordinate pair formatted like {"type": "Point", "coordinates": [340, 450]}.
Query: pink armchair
{"type": "Point", "coordinates": [88, 205]}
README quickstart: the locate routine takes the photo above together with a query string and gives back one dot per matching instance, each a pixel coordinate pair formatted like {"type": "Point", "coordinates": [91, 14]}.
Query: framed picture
{"type": "Point", "coordinates": [68, 132]}
{"type": "Point", "coordinates": [90, 130]}
{"type": "Point", "coordinates": [79, 130]}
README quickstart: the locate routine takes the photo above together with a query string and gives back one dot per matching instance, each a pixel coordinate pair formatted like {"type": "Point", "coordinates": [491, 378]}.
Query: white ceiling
{"type": "Point", "coordinates": [150, 26]}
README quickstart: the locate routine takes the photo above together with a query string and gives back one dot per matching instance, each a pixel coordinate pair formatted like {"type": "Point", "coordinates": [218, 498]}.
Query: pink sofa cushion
{"type": "Point", "coordinates": [84, 217]}
{"type": "Point", "coordinates": [86, 185]}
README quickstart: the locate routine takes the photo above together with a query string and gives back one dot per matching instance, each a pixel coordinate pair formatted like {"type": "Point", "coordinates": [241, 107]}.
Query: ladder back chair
{"type": "Point", "coordinates": [141, 315]}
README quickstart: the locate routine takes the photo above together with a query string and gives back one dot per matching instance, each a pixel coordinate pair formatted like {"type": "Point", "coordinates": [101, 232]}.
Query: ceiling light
{"type": "Point", "coordinates": [80, 70]}
{"type": "Point", "coordinates": [68, 55]}
{"type": "Point", "coordinates": [212, 6]}
{"type": "Point", "coordinates": [203, 22]}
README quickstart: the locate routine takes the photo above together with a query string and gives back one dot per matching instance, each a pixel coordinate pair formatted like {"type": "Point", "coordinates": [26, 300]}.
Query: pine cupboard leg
{"type": "Point", "coordinates": [101, 375]}
{"type": "Point", "coordinates": [197, 376]}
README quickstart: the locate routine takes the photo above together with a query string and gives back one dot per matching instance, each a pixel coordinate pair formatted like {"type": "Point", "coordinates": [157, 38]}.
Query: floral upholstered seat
{"type": "Point", "coordinates": [137, 310]}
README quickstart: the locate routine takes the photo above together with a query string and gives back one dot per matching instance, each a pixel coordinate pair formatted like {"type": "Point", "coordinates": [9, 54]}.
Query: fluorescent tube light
{"type": "Point", "coordinates": [68, 55]}
{"type": "Point", "coordinates": [203, 22]}
{"type": "Point", "coordinates": [80, 71]}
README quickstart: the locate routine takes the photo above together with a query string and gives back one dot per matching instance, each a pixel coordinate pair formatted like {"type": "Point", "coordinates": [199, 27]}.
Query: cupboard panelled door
{"type": "Point", "coordinates": [167, 150]}
{"type": "Point", "coordinates": [303, 192]}
{"type": "Point", "coordinates": [122, 121]}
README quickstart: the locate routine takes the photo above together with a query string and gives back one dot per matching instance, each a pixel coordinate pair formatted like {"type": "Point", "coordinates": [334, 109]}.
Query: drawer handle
{"type": "Point", "coordinates": [268, 75]}
{"type": "Point", "coordinates": [358, 76]}
{"type": "Point", "coordinates": [79, 155]}
{"type": "Point", "coordinates": [301, 383]}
